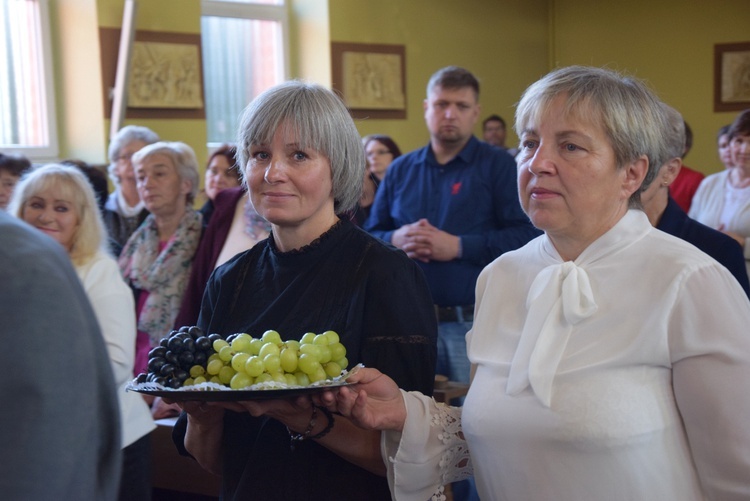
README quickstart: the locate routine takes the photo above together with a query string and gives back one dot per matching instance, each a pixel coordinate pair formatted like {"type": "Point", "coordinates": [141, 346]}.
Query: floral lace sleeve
{"type": "Point", "coordinates": [429, 453]}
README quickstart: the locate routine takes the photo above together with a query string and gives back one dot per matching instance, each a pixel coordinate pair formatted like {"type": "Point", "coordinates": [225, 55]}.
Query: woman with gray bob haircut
{"type": "Point", "coordinates": [303, 164]}
{"type": "Point", "coordinates": [599, 368]}
{"type": "Point", "coordinates": [320, 121]}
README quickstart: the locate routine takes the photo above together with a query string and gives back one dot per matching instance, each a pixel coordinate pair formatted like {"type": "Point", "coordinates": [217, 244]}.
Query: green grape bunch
{"type": "Point", "coordinates": [188, 357]}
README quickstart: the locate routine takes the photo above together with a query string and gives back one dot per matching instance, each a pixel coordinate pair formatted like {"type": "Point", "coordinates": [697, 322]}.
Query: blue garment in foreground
{"type": "Point", "coordinates": [716, 244]}
{"type": "Point", "coordinates": [474, 196]}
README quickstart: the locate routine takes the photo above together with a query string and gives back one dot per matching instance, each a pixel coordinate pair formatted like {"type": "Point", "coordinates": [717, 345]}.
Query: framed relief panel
{"type": "Point", "coordinates": [732, 76]}
{"type": "Point", "coordinates": [371, 78]}
{"type": "Point", "coordinates": [165, 74]}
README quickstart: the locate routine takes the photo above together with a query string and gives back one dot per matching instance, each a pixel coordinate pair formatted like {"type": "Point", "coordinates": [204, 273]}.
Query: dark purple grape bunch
{"type": "Point", "coordinates": [170, 362]}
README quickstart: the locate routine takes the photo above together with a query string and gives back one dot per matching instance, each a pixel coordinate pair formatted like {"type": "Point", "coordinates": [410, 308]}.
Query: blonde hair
{"type": "Point", "coordinates": [90, 235]}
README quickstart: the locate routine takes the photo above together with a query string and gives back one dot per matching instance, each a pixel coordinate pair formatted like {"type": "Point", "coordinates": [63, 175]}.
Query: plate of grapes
{"type": "Point", "coordinates": [188, 365]}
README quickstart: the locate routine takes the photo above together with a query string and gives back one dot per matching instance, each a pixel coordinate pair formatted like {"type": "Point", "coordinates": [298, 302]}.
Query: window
{"type": "Point", "coordinates": [27, 106]}
{"type": "Point", "coordinates": [244, 46]}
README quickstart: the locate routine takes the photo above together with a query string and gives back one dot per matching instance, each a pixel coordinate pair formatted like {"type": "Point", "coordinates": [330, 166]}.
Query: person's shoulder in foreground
{"type": "Point", "coordinates": [59, 432]}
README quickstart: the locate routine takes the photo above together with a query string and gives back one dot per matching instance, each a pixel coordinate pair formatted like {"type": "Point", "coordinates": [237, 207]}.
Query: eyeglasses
{"type": "Point", "coordinates": [124, 158]}
{"type": "Point", "coordinates": [379, 152]}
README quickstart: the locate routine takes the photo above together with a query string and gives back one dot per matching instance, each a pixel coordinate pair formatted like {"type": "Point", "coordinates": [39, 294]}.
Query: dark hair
{"type": "Point", "coordinates": [15, 164]}
{"type": "Point", "coordinates": [389, 143]}
{"type": "Point", "coordinates": [453, 77]}
{"type": "Point", "coordinates": [493, 118]}
{"type": "Point", "coordinates": [228, 151]}
{"type": "Point", "coordinates": [688, 138]}
{"type": "Point", "coordinates": [741, 125]}
{"type": "Point", "coordinates": [96, 177]}
{"type": "Point", "coordinates": [723, 131]}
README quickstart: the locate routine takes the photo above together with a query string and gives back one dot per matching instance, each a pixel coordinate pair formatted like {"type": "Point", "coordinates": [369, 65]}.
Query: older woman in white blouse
{"type": "Point", "coordinates": [609, 358]}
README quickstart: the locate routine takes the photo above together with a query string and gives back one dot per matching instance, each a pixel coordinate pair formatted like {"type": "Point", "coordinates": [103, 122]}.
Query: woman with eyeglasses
{"type": "Point", "coordinates": [380, 152]}
{"type": "Point", "coordinates": [124, 211]}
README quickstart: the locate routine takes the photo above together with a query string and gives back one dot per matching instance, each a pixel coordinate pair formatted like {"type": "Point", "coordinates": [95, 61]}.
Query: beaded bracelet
{"type": "Point", "coordinates": [328, 427]}
{"type": "Point", "coordinates": [299, 437]}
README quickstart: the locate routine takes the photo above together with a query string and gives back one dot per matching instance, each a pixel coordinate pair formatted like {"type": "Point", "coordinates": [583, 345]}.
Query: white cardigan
{"type": "Point", "coordinates": [708, 204]}
{"type": "Point", "coordinates": [113, 304]}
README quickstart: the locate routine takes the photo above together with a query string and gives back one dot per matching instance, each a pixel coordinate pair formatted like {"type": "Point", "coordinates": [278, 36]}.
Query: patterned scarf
{"type": "Point", "coordinates": [164, 275]}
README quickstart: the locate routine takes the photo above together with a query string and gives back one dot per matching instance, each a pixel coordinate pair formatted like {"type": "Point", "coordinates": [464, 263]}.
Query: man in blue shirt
{"type": "Point", "coordinates": [452, 206]}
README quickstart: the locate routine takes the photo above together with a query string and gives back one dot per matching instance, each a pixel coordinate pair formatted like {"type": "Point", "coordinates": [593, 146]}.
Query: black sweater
{"type": "Point", "coordinates": [373, 295]}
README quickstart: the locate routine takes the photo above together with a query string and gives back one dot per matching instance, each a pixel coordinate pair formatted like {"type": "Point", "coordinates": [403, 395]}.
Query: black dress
{"type": "Point", "coordinates": [378, 301]}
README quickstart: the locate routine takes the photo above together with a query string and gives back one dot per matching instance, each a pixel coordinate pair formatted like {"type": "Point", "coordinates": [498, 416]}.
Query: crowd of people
{"type": "Point", "coordinates": [562, 280]}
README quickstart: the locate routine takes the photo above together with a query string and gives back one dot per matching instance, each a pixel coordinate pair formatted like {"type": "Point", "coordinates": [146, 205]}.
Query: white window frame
{"type": "Point", "coordinates": [253, 11]}
{"type": "Point", "coordinates": [51, 149]}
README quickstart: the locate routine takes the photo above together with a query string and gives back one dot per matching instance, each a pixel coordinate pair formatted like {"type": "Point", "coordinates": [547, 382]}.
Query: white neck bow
{"type": "Point", "coordinates": [559, 298]}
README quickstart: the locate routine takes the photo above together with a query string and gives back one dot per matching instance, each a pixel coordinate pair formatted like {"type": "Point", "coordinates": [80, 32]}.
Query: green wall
{"type": "Point", "coordinates": [175, 16]}
{"type": "Point", "coordinates": [669, 43]}
{"type": "Point", "coordinates": [505, 44]}
{"type": "Point", "coordinates": [508, 44]}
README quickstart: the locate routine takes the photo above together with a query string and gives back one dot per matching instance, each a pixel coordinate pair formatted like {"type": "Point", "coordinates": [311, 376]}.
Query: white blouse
{"type": "Point", "coordinates": [113, 304]}
{"type": "Point", "coordinates": [619, 376]}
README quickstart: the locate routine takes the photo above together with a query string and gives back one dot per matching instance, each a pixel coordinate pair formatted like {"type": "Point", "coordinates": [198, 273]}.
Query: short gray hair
{"type": "Point", "coordinates": [320, 121]}
{"type": "Point", "coordinates": [629, 113]}
{"type": "Point", "coordinates": [122, 138]}
{"type": "Point", "coordinates": [674, 134]}
{"type": "Point", "coordinates": [183, 158]}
